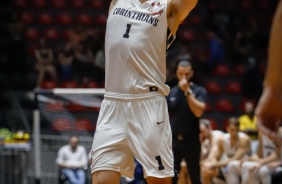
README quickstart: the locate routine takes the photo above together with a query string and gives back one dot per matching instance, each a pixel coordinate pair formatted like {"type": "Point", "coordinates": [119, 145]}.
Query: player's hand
{"type": "Point", "coordinates": [256, 167]}
{"type": "Point", "coordinates": [183, 84]}
{"type": "Point", "coordinates": [273, 165]}
{"type": "Point", "coordinates": [269, 112]}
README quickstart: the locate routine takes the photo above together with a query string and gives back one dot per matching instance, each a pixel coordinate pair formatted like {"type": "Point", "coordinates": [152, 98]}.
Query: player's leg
{"type": "Point", "coordinates": [149, 137]}
{"type": "Point", "coordinates": [184, 177]}
{"type": "Point", "coordinates": [207, 175]}
{"type": "Point", "coordinates": [111, 156]}
{"type": "Point", "coordinates": [154, 180]}
{"type": "Point", "coordinates": [249, 176]}
{"type": "Point", "coordinates": [265, 175]}
{"type": "Point", "coordinates": [105, 177]}
{"type": "Point", "coordinates": [233, 174]}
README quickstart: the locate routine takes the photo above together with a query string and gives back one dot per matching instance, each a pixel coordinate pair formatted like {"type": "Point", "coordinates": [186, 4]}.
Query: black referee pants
{"type": "Point", "coordinates": [190, 151]}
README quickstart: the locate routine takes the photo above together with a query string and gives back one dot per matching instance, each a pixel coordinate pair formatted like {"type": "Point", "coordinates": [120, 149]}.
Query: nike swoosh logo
{"type": "Point", "coordinates": [160, 122]}
{"type": "Point", "coordinates": [172, 98]}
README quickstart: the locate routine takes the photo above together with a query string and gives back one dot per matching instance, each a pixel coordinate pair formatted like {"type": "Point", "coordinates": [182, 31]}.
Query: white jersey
{"type": "Point", "coordinates": [217, 133]}
{"type": "Point", "coordinates": [135, 47]}
{"type": "Point", "coordinates": [207, 143]}
{"type": "Point", "coordinates": [231, 150]}
{"type": "Point", "coordinates": [267, 146]}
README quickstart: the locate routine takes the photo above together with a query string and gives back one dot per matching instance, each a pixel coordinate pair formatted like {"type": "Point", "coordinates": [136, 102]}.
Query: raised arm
{"type": "Point", "coordinates": [178, 11]}
{"type": "Point", "coordinates": [269, 107]}
{"type": "Point", "coordinates": [181, 8]}
{"type": "Point", "coordinates": [112, 5]}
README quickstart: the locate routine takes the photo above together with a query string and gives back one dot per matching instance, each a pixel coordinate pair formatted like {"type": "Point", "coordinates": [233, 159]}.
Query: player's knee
{"type": "Point", "coordinates": [105, 177]}
{"type": "Point", "coordinates": [263, 172]}
{"type": "Point", "coordinates": [233, 166]}
{"type": "Point", "coordinates": [154, 180]}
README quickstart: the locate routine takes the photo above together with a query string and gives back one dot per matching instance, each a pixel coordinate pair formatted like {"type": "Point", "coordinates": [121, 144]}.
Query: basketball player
{"type": "Point", "coordinates": [209, 140]}
{"type": "Point", "coordinates": [133, 119]}
{"type": "Point", "coordinates": [254, 169]}
{"type": "Point", "coordinates": [234, 145]}
{"type": "Point", "coordinates": [269, 109]}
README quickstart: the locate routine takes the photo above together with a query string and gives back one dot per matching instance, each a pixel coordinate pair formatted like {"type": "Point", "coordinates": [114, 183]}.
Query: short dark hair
{"type": "Point", "coordinates": [205, 122]}
{"type": "Point", "coordinates": [233, 121]}
{"type": "Point", "coordinates": [184, 63]}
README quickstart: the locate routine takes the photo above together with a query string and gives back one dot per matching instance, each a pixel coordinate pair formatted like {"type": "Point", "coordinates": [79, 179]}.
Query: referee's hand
{"type": "Point", "coordinates": [183, 84]}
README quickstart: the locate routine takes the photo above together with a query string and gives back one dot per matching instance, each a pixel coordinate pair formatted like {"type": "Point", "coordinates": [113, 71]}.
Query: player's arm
{"type": "Point", "coordinates": [272, 157]}
{"type": "Point", "coordinates": [181, 8]}
{"type": "Point", "coordinates": [197, 106]}
{"type": "Point", "coordinates": [113, 2]}
{"type": "Point", "coordinates": [219, 151]}
{"type": "Point", "coordinates": [214, 149]}
{"type": "Point", "coordinates": [243, 149]}
{"type": "Point", "coordinates": [258, 155]}
{"type": "Point", "coordinates": [274, 69]}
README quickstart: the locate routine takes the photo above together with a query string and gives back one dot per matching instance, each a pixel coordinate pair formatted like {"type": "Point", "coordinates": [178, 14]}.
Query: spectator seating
{"type": "Point", "coordinates": [213, 87]}
{"type": "Point", "coordinates": [224, 105]}
{"type": "Point", "coordinates": [233, 87]}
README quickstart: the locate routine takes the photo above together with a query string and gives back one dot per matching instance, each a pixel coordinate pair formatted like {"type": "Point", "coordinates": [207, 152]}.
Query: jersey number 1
{"type": "Point", "coordinates": [161, 167]}
{"type": "Point", "coordinates": [126, 34]}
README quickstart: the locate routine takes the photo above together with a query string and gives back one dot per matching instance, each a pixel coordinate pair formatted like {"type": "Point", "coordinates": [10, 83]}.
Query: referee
{"type": "Point", "coordinates": [186, 103]}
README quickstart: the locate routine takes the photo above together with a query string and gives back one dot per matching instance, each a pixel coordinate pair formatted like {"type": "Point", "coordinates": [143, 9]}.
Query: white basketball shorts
{"type": "Point", "coordinates": [133, 128]}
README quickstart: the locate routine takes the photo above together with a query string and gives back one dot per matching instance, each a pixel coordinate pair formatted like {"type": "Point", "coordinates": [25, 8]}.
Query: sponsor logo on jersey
{"type": "Point", "coordinates": [157, 8]}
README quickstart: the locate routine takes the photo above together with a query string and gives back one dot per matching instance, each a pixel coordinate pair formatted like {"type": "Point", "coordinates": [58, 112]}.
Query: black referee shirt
{"type": "Point", "coordinates": [183, 122]}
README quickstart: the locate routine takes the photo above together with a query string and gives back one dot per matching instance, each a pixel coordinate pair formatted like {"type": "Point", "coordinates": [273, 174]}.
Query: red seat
{"type": "Point", "coordinates": [64, 19]}
{"type": "Point", "coordinates": [84, 19]}
{"type": "Point", "coordinates": [83, 125]}
{"type": "Point", "coordinates": [48, 84]}
{"type": "Point", "coordinates": [246, 5]}
{"type": "Point", "coordinates": [45, 18]}
{"type": "Point", "coordinates": [239, 70]}
{"type": "Point", "coordinates": [225, 124]}
{"type": "Point", "coordinates": [27, 18]}
{"type": "Point", "coordinates": [265, 5]}
{"type": "Point", "coordinates": [224, 105]}
{"type": "Point", "coordinates": [208, 107]}
{"type": "Point", "coordinates": [75, 107]}
{"type": "Point", "coordinates": [57, 106]}
{"type": "Point", "coordinates": [69, 84]}
{"type": "Point", "coordinates": [39, 3]}
{"type": "Point", "coordinates": [66, 34]}
{"type": "Point", "coordinates": [213, 123]}
{"type": "Point", "coordinates": [20, 3]}
{"type": "Point", "coordinates": [51, 34]}
{"type": "Point", "coordinates": [78, 3]}
{"type": "Point", "coordinates": [93, 84]}
{"type": "Point", "coordinates": [101, 19]}
{"type": "Point", "coordinates": [97, 4]}
{"type": "Point", "coordinates": [31, 49]}
{"type": "Point", "coordinates": [186, 35]}
{"type": "Point", "coordinates": [221, 70]}
{"type": "Point", "coordinates": [62, 125]}
{"type": "Point", "coordinates": [213, 87]}
{"type": "Point", "coordinates": [195, 20]}
{"type": "Point", "coordinates": [58, 3]}
{"type": "Point", "coordinates": [31, 34]}
{"type": "Point", "coordinates": [233, 87]}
